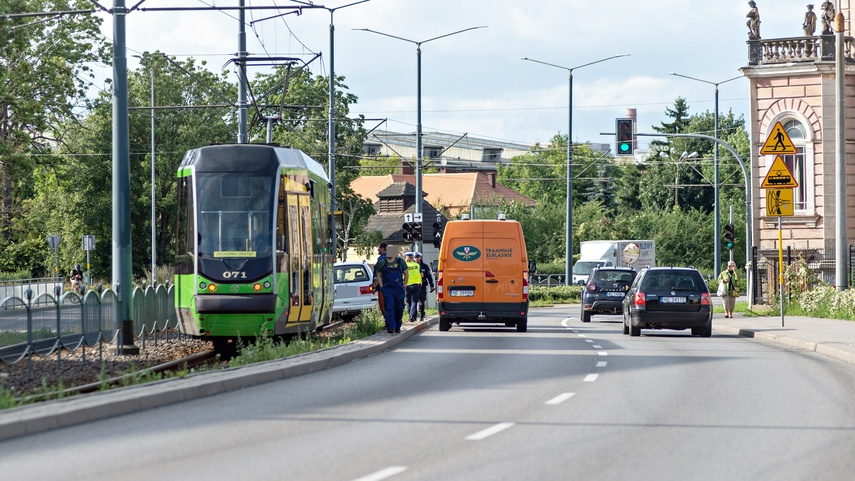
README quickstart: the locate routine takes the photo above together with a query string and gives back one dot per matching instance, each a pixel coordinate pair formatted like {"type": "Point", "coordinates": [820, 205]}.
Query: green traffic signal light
{"type": "Point", "coordinates": [729, 238]}
{"type": "Point", "coordinates": [623, 136]}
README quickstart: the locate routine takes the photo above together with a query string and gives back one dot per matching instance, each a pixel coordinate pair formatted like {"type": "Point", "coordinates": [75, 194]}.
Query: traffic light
{"type": "Point", "coordinates": [729, 241]}
{"type": "Point", "coordinates": [437, 233]}
{"type": "Point", "coordinates": [623, 137]}
{"type": "Point", "coordinates": [412, 231]}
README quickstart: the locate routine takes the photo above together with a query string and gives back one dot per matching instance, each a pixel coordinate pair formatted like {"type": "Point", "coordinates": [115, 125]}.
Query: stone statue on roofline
{"type": "Point", "coordinates": [827, 18]}
{"type": "Point", "coordinates": [753, 22]}
{"type": "Point", "coordinates": [809, 24]}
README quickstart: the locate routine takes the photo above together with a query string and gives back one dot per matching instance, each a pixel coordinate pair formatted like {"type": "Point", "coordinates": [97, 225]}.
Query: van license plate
{"type": "Point", "coordinates": [615, 294]}
{"type": "Point", "coordinates": [672, 300]}
{"type": "Point", "coordinates": [462, 293]}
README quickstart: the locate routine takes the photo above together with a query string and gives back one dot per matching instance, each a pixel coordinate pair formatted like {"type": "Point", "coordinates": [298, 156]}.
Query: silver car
{"type": "Point", "coordinates": [353, 289]}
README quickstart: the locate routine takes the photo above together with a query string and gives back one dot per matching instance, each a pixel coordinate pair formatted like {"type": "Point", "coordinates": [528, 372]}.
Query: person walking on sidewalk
{"type": "Point", "coordinates": [414, 286]}
{"type": "Point", "coordinates": [427, 279]}
{"type": "Point", "coordinates": [731, 291]}
{"type": "Point", "coordinates": [391, 275]}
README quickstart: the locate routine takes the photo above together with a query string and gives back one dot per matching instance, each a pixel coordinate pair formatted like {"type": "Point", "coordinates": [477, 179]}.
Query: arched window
{"type": "Point", "coordinates": [796, 163]}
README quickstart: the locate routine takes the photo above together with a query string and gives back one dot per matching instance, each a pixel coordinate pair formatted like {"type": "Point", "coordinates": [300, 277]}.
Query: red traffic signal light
{"type": "Point", "coordinates": [623, 137]}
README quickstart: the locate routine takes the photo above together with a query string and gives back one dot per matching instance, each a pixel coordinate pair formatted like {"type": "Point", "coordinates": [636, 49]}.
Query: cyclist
{"type": "Point", "coordinates": [77, 279]}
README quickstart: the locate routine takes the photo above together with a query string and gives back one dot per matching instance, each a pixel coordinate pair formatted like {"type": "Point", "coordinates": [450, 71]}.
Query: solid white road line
{"type": "Point", "coordinates": [489, 432]}
{"type": "Point", "coordinates": [591, 378]}
{"type": "Point", "coordinates": [560, 398]}
{"type": "Point", "coordinates": [383, 474]}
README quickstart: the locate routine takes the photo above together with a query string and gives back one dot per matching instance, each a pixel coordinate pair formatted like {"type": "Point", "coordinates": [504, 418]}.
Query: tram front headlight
{"type": "Point", "coordinates": [267, 284]}
{"type": "Point", "coordinates": [203, 286]}
{"type": "Point", "coordinates": [212, 287]}
{"type": "Point", "coordinates": [257, 287]}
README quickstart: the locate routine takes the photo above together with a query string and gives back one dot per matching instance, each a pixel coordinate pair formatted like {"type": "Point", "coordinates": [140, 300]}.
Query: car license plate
{"type": "Point", "coordinates": [672, 300]}
{"type": "Point", "coordinates": [462, 293]}
{"type": "Point", "coordinates": [615, 294]}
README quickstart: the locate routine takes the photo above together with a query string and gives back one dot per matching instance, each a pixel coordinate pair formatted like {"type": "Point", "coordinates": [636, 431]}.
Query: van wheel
{"type": "Point", "coordinates": [444, 324]}
{"type": "Point", "coordinates": [522, 324]}
{"type": "Point", "coordinates": [586, 316]}
{"type": "Point", "coordinates": [633, 330]}
{"type": "Point", "coordinates": [625, 327]}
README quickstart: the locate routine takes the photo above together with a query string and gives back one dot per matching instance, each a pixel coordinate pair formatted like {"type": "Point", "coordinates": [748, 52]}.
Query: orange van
{"type": "Point", "coordinates": [482, 276]}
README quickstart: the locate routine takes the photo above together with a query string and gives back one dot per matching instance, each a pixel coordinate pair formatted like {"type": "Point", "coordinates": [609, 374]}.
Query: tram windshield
{"type": "Point", "coordinates": [235, 214]}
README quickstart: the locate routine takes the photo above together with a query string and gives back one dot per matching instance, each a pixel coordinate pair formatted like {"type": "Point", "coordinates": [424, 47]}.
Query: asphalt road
{"type": "Point", "coordinates": [565, 400]}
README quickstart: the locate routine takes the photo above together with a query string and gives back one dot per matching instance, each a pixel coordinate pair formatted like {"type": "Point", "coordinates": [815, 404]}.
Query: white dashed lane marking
{"type": "Point", "coordinates": [591, 377]}
{"type": "Point", "coordinates": [383, 474]}
{"type": "Point", "coordinates": [560, 398]}
{"type": "Point", "coordinates": [489, 432]}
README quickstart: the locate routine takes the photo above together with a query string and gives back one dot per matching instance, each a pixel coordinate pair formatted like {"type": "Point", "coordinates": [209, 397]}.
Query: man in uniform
{"type": "Point", "coordinates": [414, 286]}
{"type": "Point", "coordinates": [427, 279]}
{"type": "Point", "coordinates": [391, 275]}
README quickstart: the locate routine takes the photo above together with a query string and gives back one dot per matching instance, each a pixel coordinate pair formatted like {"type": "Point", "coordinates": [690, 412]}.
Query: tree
{"type": "Point", "coordinates": [84, 175]}
{"type": "Point", "coordinates": [43, 70]}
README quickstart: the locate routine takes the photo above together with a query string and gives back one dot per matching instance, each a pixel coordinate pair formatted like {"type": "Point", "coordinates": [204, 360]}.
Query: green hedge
{"type": "Point", "coordinates": [557, 294]}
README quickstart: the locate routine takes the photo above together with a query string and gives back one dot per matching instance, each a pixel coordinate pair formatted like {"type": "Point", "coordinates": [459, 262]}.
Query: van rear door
{"type": "Point", "coordinates": [503, 267]}
{"type": "Point", "coordinates": [464, 275]}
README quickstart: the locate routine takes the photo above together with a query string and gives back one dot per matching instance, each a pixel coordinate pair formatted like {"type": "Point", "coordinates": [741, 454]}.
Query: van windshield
{"type": "Point", "coordinates": [585, 267]}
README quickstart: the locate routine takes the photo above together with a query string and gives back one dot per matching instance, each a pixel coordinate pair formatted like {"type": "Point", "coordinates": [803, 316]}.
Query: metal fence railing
{"type": "Point", "coordinates": [48, 323]}
{"type": "Point", "coordinates": [803, 270]}
{"type": "Point", "coordinates": [546, 280]}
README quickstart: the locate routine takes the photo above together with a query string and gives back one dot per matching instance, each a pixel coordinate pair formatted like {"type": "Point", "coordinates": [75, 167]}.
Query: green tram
{"type": "Point", "coordinates": [254, 253]}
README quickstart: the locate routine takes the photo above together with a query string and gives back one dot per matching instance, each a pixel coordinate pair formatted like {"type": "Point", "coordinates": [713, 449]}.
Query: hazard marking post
{"type": "Point", "coordinates": [779, 176]}
{"type": "Point", "coordinates": [778, 142]}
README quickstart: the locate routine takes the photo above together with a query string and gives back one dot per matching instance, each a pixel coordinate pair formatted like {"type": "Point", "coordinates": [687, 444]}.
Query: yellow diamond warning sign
{"type": "Point", "coordinates": [779, 176]}
{"type": "Point", "coordinates": [779, 202]}
{"type": "Point", "coordinates": [778, 142]}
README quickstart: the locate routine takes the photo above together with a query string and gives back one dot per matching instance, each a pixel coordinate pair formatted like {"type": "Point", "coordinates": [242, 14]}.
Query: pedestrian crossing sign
{"type": "Point", "coordinates": [778, 142]}
{"type": "Point", "coordinates": [779, 176]}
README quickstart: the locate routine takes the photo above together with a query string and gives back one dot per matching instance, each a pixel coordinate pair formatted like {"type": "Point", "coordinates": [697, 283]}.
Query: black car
{"type": "Point", "coordinates": [668, 298]}
{"type": "Point", "coordinates": [605, 290]}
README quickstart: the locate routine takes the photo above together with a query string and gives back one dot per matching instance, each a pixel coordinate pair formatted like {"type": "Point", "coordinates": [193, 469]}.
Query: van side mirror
{"type": "Point", "coordinates": [532, 267]}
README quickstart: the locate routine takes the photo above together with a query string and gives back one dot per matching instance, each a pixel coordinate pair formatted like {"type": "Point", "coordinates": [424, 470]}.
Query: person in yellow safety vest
{"type": "Point", "coordinates": [414, 285]}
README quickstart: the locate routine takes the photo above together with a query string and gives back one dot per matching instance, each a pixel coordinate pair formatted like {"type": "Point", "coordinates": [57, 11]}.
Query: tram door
{"type": "Point", "coordinates": [299, 250]}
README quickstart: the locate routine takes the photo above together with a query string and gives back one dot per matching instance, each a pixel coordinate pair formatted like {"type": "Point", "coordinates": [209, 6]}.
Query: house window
{"type": "Point", "coordinates": [431, 152]}
{"type": "Point", "coordinates": [491, 155]}
{"type": "Point", "coordinates": [372, 150]}
{"type": "Point", "coordinates": [796, 163]}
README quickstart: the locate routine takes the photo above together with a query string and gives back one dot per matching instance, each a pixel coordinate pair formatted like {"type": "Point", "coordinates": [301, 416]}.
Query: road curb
{"type": "Point", "coordinates": [36, 418]}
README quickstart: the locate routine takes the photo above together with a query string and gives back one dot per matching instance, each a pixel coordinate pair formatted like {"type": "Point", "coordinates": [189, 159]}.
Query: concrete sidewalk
{"type": "Point", "coordinates": [831, 337]}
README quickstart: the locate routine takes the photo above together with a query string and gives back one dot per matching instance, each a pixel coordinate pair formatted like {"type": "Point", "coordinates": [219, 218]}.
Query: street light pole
{"type": "Point", "coordinates": [331, 126]}
{"type": "Point", "coordinates": [418, 44]}
{"type": "Point", "coordinates": [153, 231]}
{"type": "Point", "coordinates": [716, 206]}
{"type": "Point", "coordinates": [568, 228]}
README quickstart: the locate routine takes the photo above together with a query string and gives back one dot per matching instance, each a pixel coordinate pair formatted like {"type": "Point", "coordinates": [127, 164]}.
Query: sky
{"type": "Point", "coordinates": [475, 82]}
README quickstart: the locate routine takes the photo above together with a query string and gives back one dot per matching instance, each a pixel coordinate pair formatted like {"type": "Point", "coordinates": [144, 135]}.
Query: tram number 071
{"type": "Point", "coordinates": [234, 275]}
